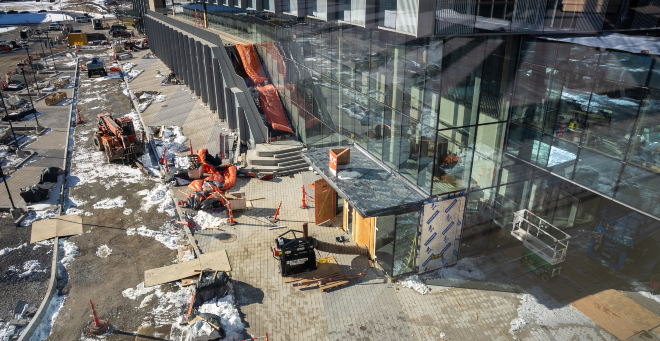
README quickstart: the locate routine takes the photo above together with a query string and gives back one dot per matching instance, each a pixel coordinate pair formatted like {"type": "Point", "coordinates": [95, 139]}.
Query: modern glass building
{"type": "Point", "coordinates": [545, 106]}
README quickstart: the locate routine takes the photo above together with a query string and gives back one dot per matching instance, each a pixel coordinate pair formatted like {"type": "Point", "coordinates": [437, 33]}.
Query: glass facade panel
{"type": "Point", "coordinates": [624, 67]}
{"type": "Point", "coordinates": [566, 116]}
{"type": "Point", "coordinates": [488, 155]}
{"type": "Point", "coordinates": [405, 250]}
{"type": "Point", "coordinates": [454, 149]}
{"type": "Point", "coordinates": [641, 189]}
{"type": "Point", "coordinates": [384, 248]}
{"type": "Point", "coordinates": [532, 95]}
{"type": "Point", "coordinates": [597, 172]}
{"type": "Point", "coordinates": [612, 113]}
{"type": "Point", "coordinates": [497, 82]}
{"type": "Point", "coordinates": [645, 150]}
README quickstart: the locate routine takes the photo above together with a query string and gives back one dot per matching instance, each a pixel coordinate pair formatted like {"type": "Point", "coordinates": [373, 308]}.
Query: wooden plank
{"type": "Point", "coordinates": [43, 230]}
{"type": "Point", "coordinates": [69, 225]}
{"type": "Point", "coordinates": [325, 201]}
{"type": "Point", "coordinates": [324, 270]}
{"type": "Point", "coordinates": [216, 261]}
{"type": "Point", "coordinates": [171, 273]}
{"type": "Point", "coordinates": [181, 251]}
{"type": "Point", "coordinates": [332, 285]}
{"type": "Point", "coordinates": [148, 333]}
{"type": "Point", "coordinates": [617, 313]}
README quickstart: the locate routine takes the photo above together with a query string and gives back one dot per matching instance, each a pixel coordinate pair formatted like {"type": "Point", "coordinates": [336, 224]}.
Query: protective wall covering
{"type": "Point", "coordinates": [250, 62]}
{"type": "Point", "coordinates": [236, 61]}
{"type": "Point", "coordinates": [270, 103]}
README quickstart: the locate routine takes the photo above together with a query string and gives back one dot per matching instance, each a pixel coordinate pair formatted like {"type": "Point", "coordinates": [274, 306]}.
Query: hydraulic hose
{"type": "Point", "coordinates": [341, 249]}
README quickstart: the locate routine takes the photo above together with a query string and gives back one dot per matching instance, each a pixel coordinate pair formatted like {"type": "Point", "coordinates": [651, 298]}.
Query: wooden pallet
{"type": "Point", "coordinates": [324, 270]}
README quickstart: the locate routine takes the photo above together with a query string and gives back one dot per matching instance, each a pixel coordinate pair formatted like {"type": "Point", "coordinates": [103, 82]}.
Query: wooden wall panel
{"type": "Point", "coordinates": [325, 201]}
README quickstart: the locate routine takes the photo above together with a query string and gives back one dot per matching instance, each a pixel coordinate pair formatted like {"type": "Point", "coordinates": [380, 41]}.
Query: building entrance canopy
{"type": "Point", "coordinates": [369, 187]}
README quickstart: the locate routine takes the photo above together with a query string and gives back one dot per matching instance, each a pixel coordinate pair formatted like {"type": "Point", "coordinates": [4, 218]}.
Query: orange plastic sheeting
{"type": "Point", "coordinates": [196, 185]}
{"type": "Point", "coordinates": [250, 62]}
{"type": "Point", "coordinates": [206, 167]}
{"type": "Point", "coordinates": [230, 177]}
{"type": "Point", "coordinates": [215, 177]}
{"type": "Point", "coordinates": [270, 103]}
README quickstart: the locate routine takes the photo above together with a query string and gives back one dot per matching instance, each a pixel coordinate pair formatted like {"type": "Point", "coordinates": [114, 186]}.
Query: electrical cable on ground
{"type": "Point", "coordinates": [476, 313]}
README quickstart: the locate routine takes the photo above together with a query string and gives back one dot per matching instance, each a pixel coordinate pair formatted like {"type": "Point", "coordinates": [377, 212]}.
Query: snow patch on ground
{"type": "Point", "coordinates": [540, 308]}
{"type": "Point", "coordinates": [215, 219]}
{"type": "Point", "coordinates": [415, 283]}
{"type": "Point", "coordinates": [107, 204]}
{"type": "Point", "coordinates": [167, 235]}
{"type": "Point", "coordinates": [139, 290]}
{"type": "Point", "coordinates": [128, 211]}
{"type": "Point", "coordinates": [48, 242]}
{"type": "Point", "coordinates": [32, 267]}
{"type": "Point", "coordinates": [160, 98]}
{"type": "Point", "coordinates": [131, 75]}
{"type": "Point", "coordinates": [225, 307]}
{"type": "Point", "coordinates": [644, 291]}
{"type": "Point", "coordinates": [70, 251]}
{"type": "Point", "coordinates": [10, 249]}
{"type": "Point", "coordinates": [465, 269]}
{"type": "Point", "coordinates": [38, 215]}
{"type": "Point", "coordinates": [158, 196]}
{"type": "Point", "coordinates": [52, 311]}
{"type": "Point", "coordinates": [103, 251]}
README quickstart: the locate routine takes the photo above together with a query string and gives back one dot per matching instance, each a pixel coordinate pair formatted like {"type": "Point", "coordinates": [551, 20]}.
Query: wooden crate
{"type": "Point", "coordinates": [324, 270]}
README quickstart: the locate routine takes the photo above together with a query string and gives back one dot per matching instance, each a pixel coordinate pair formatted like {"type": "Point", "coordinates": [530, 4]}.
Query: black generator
{"type": "Point", "coordinates": [296, 255]}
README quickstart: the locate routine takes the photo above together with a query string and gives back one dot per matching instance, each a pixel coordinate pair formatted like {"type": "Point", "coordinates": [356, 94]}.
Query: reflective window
{"type": "Point", "coordinates": [387, 13]}
{"type": "Point", "coordinates": [531, 95]}
{"type": "Point", "coordinates": [538, 51]}
{"type": "Point", "coordinates": [454, 149]}
{"type": "Point", "coordinates": [640, 189]}
{"type": "Point", "coordinates": [611, 117]}
{"type": "Point", "coordinates": [523, 143]}
{"type": "Point", "coordinates": [384, 245]}
{"type": "Point", "coordinates": [597, 172]}
{"type": "Point", "coordinates": [426, 155]}
{"type": "Point", "coordinates": [405, 250]}
{"type": "Point", "coordinates": [487, 155]}
{"type": "Point", "coordinates": [624, 67]}
{"type": "Point", "coordinates": [514, 170]}
{"type": "Point", "coordinates": [645, 151]}
{"type": "Point", "coordinates": [409, 150]}
{"type": "Point", "coordinates": [566, 116]}
{"type": "Point", "coordinates": [578, 59]}
{"type": "Point", "coordinates": [497, 82]}
{"type": "Point", "coordinates": [561, 158]}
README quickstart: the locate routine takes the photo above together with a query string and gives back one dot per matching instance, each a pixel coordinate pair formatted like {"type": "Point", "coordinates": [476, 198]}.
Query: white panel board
{"type": "Point", "coordinates": [441, 234]}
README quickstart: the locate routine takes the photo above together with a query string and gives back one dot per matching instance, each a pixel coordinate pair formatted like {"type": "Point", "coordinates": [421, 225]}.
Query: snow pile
{"type": "Point", "coordinates": [52, 311]}
{"type": "Point", "coordinates": [10, 249]}
{"type": "Point", "coordinates": [181, 162]}
{"type": "Point", "coordinates": [38, 215]}
{"type": "Point", "coordinates": [47, 242]}
{"type": "Point", "coordinates": [348, 175]}
{"type": "Point", "coordinates": [540, 308]}
{"type": "Point", "coordinates": [143, 106]}
{"type": "Point", "coordinates": [127, 67]}
{"type": "Point", "coordinates": [70, 251]}
{"type": "Point", "coordinates": [8, 158]}
{"type": "Point", "coordinates": [128, 211]}
{"type": "Point", "coordinates": [168, 237]}
{"type": "Point", "coordinates": [103, 251]}
{"type": "Point", "coordinates": [31, 267]}
{"type": "Point", "coordinates": [107, 204]}
{"type": "Point", "coordinates": [205, 220]}
{"type": "Point", "coordinates": [131, 75]}
{"type": "Point", "coordinates": [160, 75]}
{"type": "Point", "coordinates": [160, 98]}
{"type": "Point", "coordinates": [158, 196]}
{"type": "Point", "coordinates": [187, 255]}
{"type": "Point", "coordinates": [641, 289]}
{"type": "Point", "coordinates": [415, 283]}
{"type": "Point", "coordinates": [465, 269]}
{"type": "Point", "coordinates": [139, 290]}
{"type": "Point", "coordinates": [226, 309]}
{"type": "Point", "coordinates": [145, 95]}
{"type": "Point", "coordinates": [126, 92]}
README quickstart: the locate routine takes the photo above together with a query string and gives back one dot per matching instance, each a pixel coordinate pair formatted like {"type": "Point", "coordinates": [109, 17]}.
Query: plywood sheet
{"type": "Point", "coordinates": [364, 231]}
{"type": "Point", "coordinates": [43, 230]}
{"type": "Point", "coordinates": [62, 226]}
{"type": "Point", "coordinates": [171, 273]}
{"type": "Point", "coordinates": [325, 201]}
{"type": "Point", "coordinates": [216, 261]}
{"type": "Point", "coordinates": [617, 313]}
{"type": "Point", "coordinates": [69, 225]}
{"type": "Point", "coordinates": [181, 250]}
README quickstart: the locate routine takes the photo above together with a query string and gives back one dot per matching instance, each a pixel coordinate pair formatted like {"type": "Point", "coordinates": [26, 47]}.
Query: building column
{"type": "Point", "coordinates": [210, 83]}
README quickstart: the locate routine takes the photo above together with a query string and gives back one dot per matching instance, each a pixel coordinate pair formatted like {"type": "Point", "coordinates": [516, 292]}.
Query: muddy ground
{"type": "Point", "coordinates": [28, 288]}
{"type": "Point", "coordinates": [92, 181]}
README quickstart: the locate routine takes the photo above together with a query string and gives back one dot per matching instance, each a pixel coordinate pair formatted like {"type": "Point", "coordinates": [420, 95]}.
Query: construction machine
{"type": "Point", "coordinates": [118, 139]}
{"type": "Point", "coordinates": [95, 68]}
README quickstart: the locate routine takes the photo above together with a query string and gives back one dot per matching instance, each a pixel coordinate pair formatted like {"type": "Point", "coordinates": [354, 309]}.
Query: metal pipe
{"type": "Point", "coordinates": [7, 187]}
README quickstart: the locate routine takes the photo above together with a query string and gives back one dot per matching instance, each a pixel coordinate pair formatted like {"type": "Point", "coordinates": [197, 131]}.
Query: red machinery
{"type": "Point", "coordinates": [117, 137]}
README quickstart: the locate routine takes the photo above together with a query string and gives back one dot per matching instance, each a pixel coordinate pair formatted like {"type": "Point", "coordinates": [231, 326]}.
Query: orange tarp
{"type": "Point", "coordinates": [250, 62]}
{"type": "Point", "coordinates": [270, 103]}
{"type": "Point", "coordinates": [230, 177]}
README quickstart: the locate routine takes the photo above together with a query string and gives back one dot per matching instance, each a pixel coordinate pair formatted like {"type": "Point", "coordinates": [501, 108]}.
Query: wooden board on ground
{"type": "Point", "coordinates": [181, 251]}
{"type": "Point", "coordinates": [170, 273]}
{"type": "Point", "coordinates": [324, 270]}
{"type": "Point", "coordinates": [62, 226]}
{"type": "Point", "coordinates": [148, 333]}
{"type": "Point", "coordinates": [216, 261]}
{"type": "Point", "coordinates": [617, 313]}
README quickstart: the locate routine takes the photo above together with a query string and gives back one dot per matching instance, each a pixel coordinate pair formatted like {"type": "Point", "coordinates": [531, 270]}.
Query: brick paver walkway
{"type": "Point", "coordinates": [49, 147]}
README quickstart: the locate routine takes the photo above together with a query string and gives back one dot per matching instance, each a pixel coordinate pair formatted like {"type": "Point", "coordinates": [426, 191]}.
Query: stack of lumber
{"type": "Point", "coordinates": [325, 270]}
{"type": "Point", "coordinates": [55, 98]}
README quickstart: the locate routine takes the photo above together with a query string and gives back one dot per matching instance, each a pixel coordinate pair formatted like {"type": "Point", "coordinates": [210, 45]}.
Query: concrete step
{"type": "Point", "coordinates": [266, 152]}
{"type": "Point", "coordinates": [287, 154]}
{"type": "Point", "coordinates": [293, 170]}
{"type": "Point", "coordinates": [299, 161]}
{"type": "Point", "coordinates": [269, 161]}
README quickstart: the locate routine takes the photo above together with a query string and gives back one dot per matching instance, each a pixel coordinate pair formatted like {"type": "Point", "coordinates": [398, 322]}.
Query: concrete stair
{"type": "Point", "coordinates": [280, 157]}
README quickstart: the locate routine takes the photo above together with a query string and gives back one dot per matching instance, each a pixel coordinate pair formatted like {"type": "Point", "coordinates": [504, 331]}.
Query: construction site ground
{"type": "Point", "coordinates": [117, 200]}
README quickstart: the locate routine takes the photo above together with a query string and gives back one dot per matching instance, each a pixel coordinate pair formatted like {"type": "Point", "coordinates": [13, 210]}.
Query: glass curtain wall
{"type": "Point", "coordinates": [588, 116]}
{"type": "Point", "coordinates": [396, 246]}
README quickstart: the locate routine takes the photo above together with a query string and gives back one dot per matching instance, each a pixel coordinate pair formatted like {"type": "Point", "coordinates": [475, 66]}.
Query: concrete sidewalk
{"type": "Point", "coordinates": [49, 147]}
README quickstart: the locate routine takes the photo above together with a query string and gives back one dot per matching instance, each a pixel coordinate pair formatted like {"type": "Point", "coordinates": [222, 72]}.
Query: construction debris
{"type": "Point", "coordinates": [55, 98]}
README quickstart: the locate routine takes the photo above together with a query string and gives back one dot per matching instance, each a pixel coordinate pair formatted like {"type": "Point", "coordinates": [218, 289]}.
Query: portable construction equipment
{"type": "Point", "coordinates": [117, 138]}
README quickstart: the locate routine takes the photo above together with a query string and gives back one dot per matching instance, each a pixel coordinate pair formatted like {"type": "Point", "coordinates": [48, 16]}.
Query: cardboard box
{"type": "Point", "coordinates": [237, 200]}
{"type": "Point", "coordinates": [340, 158]}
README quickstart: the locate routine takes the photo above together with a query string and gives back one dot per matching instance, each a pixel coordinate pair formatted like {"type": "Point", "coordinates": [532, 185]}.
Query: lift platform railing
{"type": "Point", "coordinates": [535, 235]}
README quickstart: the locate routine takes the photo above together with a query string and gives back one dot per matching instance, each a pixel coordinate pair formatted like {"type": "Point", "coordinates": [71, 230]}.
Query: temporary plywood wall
{"type": "Point", "coordinates": [364, 231]}
{"type": "Point", "coordinates": [325, 201]}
